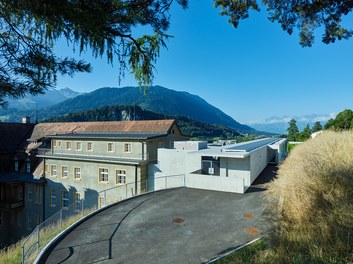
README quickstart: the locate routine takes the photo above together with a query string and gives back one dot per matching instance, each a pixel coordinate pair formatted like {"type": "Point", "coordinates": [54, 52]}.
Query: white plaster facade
{"type": "Point", "coordinates": [233, 168]}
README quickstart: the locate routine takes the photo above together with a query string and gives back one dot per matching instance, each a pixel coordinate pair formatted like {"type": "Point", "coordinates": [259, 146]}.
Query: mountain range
{"type": "Point", "coordinates": [158, 99]}
{"type": "Point", "coordinates": [31, 102]}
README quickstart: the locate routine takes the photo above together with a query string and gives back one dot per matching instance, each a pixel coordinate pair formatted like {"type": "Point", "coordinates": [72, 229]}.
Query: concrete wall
{"type": "Point", "coordinates": [258, 161]}
{"type": "Point", "coordinates": [215, 183]}
{"type": "Point", "coordinates": [173, 162]}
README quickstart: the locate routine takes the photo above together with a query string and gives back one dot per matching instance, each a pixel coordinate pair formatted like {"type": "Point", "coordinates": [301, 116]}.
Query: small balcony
{"type": "Point", "coordinates": [11, 205]}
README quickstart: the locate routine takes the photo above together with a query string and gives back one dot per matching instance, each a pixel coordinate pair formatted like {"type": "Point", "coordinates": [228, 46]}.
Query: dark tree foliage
{"type": "Point", "coordinates": [292, 130]}
{"type": "Point", "coordinates": [316, 127]}
{"type": "Point", "coordinates": [306, 16]}
{"type": "Point", "coordinates": [30, 29]}
{"type": "Point", "coordinates": [305, 134]}
{"type": "Point", "coordinates": [343, 121]}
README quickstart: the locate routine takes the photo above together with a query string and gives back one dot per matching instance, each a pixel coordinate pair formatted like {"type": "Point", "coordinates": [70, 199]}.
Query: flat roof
{"type": "Point", "coordinates": [111, 135]}
{"type": "Point", "coordinates": [251, 145]}
{"type": "Point", "coordinates": [238, 150]}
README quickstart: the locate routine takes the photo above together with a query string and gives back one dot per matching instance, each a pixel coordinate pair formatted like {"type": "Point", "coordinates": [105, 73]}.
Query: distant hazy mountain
{"type": "Point", "coordinates": [279, 125]}
{"type": "Point", "coordinates": [158, 99]}
{"type": "Point", "coordinates": [30, 102]}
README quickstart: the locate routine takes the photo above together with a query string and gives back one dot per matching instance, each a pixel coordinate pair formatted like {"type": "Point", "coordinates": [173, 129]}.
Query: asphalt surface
{"type": "Point", "coordinates": [180, 225]}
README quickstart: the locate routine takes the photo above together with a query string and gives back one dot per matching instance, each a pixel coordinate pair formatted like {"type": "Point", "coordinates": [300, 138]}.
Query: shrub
{"type": "Point", "coordinates": [315, 185]}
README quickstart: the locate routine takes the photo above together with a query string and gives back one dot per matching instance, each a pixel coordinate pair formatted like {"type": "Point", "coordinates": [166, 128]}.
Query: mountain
{"type": "Point", "coordinates": [189, 127]}
{"type": "Point", "coordinates": [279, 125]}
{"type": "Point", "coordinates": [30, 102]}
{"type": "Point", "coordinates": [158, 99]}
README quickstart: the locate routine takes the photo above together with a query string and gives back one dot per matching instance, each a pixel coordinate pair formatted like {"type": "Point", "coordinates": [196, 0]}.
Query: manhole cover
{"type": "Point", "coordinates": [248, 216]}
{"type": "Point", "coordinates": [252, 231]}
{"type": "Point", "coordinates": [178, 220]}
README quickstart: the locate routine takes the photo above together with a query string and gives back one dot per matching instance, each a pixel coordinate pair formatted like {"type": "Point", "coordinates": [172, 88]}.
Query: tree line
{"type": "Point", "coordinates": [343, 121]}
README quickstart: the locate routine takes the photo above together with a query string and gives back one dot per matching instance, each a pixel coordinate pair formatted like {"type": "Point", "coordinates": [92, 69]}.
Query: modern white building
{"type": "Point", "coordinates": [230, 168]}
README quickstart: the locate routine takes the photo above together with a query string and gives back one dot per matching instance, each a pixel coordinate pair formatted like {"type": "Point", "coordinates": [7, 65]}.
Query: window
{"type": "Point", "coordinates": [110, 147]}
{"type": "Point", "coordinates": [120, 177]}
{"type": "Point", "coordinates": [28, 167]}
{"type": "Point", "coordinates": [46, 168]}
{"type": "Point", "coordinates": [53, 170]}
{"type": "Point", "coordinates": [38, 195]}
{"type": "Point", "coordinates": [54, 143]}
{"type": "Point", "coordinates": [59, 143]}
{"type": "Point", "coordinates": [64, 173]}
{"type": "Point", "coordinates": [127, 148]}
{"type": "Point", "coordinates": [16, 165]}
{"type": "Point", "coordinates": [29, 193]}
{"type": "Point", "coordinates": [77, 201]}
{"type": "Point", "coordinates": [171, 144]}
{"type": "Point", "coordinates": [68, 145]}
{"type": "Point", "coordinates": [103, 175]}
{"type": "Point", "coordinates": [52, 201]}
{"type": "Point", "coordinates": [77, 173]}
{"type": "Point", "coordinates": [79, 146]}
{"type": "Point", "coordinates": [89, 146]}
{"type": "Point", "coordinates": [64, 199]}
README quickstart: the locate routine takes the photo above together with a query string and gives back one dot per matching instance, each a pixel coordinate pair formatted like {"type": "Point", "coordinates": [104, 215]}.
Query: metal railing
{"type": "Point", "coordinates": [56, 223]}
{"type": "Point", "coordinates": [95, 155]}
{"type": "Point", "coordinates": [49, 228]}
{"type": "Point", "coordinates": [121, 192]}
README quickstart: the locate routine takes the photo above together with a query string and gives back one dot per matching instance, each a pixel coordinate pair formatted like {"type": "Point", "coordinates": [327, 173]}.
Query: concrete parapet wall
{"type": "Point", "coordinates": [215, 183]}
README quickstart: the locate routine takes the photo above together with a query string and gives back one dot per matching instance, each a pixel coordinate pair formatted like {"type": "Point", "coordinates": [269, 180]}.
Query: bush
{"type": "Point", "coordinates": [315, 184]}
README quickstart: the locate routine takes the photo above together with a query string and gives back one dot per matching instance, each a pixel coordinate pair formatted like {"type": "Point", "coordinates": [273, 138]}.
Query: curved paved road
{"type": "Point", "coordinates": [181, 225]}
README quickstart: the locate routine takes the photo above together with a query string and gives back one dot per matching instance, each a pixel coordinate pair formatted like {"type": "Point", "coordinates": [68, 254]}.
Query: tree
{"type": "Point", "coordinates": [30, 29]}
{"type": "Point", "coordinates": [343, 121]}
{"type": "Point", "coordinates": [306, 16]}
{"type": "Point", "coordinates": [316, 127]}
{"type": "Point", "coordinates": [305, 134]}
{"type": "Point", "coordinates": [292, 130]}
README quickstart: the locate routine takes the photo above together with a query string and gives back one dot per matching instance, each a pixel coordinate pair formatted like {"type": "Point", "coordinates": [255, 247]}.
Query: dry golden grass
{"type": "Point", "coordinates": [316, 185]}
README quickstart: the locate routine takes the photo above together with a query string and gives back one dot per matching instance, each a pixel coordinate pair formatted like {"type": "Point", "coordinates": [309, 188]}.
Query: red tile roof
{"type": "Point", "coordinates": [45, 129]}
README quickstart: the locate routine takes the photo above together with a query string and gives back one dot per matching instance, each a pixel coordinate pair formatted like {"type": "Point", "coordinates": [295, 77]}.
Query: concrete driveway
{"type": "Point", "coordinates": [180, 225]}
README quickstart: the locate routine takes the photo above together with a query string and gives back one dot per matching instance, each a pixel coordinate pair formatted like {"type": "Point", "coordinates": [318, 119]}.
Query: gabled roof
{"type": "Point", "coordinates": [149, 126]}
{"type": "Point", "coordinates": [112, 135]}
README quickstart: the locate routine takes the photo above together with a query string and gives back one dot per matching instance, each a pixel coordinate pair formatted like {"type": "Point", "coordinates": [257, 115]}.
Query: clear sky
{"type": "Point", "coordinates": [251, 73]}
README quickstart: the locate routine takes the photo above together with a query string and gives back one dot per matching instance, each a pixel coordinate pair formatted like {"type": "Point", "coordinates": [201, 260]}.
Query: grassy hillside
{"type": "Point", "coordinates": [188, 126]}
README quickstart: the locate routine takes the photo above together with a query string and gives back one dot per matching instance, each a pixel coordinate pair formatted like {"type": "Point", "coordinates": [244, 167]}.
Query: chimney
{"type": "Point", "coordinates": [26, 120]}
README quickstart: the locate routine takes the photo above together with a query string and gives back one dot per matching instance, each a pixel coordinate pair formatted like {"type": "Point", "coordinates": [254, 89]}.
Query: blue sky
{"type": "Point", "coordinates": [251, 73]}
